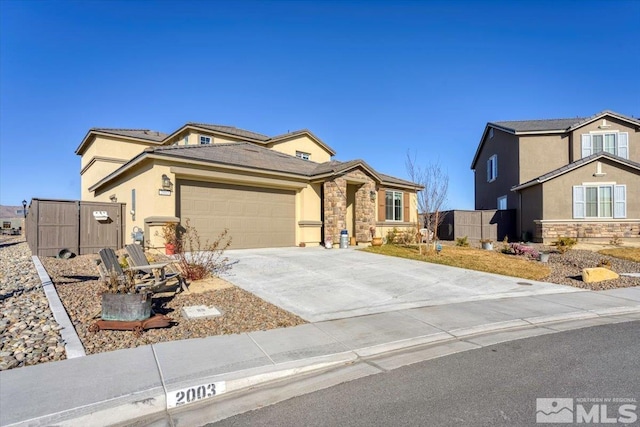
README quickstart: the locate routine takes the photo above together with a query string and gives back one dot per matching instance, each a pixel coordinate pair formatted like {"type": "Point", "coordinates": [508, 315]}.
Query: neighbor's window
{"type": "Point", "coordinates": [492, 168]}
{"type": "Point", "coordinates": [393, 206]}
{"type": "Point", "coordinates": [302, 155]}
{"type": "Point", "coordinates": [502, 203]}
{"type": "Point", "coordinates": [205, 139]}
{"type": "Point", "coordinates": [186, 140]}
{"type": "Point", "coordinates": [600, 201]}
{"type": "Point", "coordinates": [490, 133]}
{"type": "Point", "coordinates": [616, 143]}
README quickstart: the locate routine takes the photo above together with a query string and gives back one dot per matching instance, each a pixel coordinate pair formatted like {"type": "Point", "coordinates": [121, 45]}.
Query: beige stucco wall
{"type": "Point", "coordinates": [505, 146]}
{"type": "Point", "coordinates": [308, 215]}
{"type": "Point", "coordinates": [146, 179]}
{"type": "Point", "coordinates": [109, 154]}
{"type": "Point", "coordinates": [305, 144]}
{"type": "Point", "coordinates": [558, 193]}
{"type": "Point", "coordinates": [616, 125]}
{"type": "Point", "coordinates": [540, 154]}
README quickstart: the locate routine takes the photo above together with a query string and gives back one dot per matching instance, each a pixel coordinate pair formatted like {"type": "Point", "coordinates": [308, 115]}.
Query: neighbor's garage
{"type": "Point", "coordinates": [256, 217]}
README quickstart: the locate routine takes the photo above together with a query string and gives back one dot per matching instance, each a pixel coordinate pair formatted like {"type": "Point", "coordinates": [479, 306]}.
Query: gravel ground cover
{"type": "Point", "coordinates": [28, 332]}
{"type": "Point", "coordinates": [79, 289]}
{"type": "Point", "coordinates": [566, 269]}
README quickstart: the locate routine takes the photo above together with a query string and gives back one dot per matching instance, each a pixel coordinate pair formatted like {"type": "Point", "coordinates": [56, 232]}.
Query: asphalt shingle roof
{"type": "Point", "coordinates": [554, 124]}
{"type": "Point", "coordinates": [151, 135]}
{"type": "Point", "coordinates": [246, 154]}
{"type": "Point", "coordinates": [232, 130]}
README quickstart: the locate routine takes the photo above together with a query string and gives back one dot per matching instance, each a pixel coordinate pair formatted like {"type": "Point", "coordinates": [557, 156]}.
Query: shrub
{"type": "Point", "coordinates": [462, 241]}
{"type": "Point", "coordinates": [505, 245]}
{"type": "Point", "coordinates": [615, 240]}
{"type": "Point", "coordinates": [524, 250]}
{"type": "Point", "coordinates": [392, 235]}
{"type": "Point", "coordinates": [605, 263]}
{"type": "Point", "coordinates": [198, 260]}
{"type": "Point", "coordinates": [563, 244]}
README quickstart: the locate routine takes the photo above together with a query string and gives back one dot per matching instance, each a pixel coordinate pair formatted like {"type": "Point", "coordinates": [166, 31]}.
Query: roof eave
{"type": "Point", "coordinates": [281, 138]}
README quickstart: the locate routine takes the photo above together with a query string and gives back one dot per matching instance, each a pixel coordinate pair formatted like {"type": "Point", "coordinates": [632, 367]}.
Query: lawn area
{"type": "Point", "coordinates": [631, 254]}
{"type": "Point", "coordinates": [472, 259]}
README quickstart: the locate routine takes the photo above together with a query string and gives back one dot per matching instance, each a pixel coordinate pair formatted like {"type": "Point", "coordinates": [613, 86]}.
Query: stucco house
{"type": "Point", "coordinates": [577, 177]}
{"type": "Point", "coordinates": [268, 191]}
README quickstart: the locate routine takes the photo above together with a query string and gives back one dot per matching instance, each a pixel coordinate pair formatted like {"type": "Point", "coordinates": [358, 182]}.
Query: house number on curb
{"type": "Point", "coordinates": [194, 394]}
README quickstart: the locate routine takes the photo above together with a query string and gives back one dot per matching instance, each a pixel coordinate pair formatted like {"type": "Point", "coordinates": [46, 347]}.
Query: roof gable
{"type": "Point", "coordinates": [546, 126]}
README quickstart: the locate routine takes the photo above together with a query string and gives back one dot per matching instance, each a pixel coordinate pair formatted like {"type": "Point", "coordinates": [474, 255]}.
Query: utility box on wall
{"type": "Point", "coordinates": [77, 226]}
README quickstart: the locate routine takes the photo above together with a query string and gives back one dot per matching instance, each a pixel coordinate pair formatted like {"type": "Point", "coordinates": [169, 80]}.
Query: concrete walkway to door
{"type": "Point", "coordinates": [324, 284]}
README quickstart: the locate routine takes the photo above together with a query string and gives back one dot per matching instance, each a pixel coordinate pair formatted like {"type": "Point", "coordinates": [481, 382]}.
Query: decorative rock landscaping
{"type": "Point", "coordinates": [28, 332]}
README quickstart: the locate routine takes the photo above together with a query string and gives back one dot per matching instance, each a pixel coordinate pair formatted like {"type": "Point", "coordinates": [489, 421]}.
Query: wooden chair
{"type": "Point", "coordinates": [159, 271]}
{"type": "Point", "coordinates": [156, 283]}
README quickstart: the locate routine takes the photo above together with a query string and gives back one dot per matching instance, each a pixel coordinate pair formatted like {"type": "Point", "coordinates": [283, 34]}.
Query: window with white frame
{"type": "Point", "coordinates": [502, 203]}
{"type": "Point", "coordinates": [492, 168]}
{"type": "Point", "coordinates": [600, 201]}
{"type": "Point", "coordinates": [302, 155]}
{"type": "Point", "coordinates": [393, 206]}
{"type": "Point", "coordinates": [205, 139]}
{"type": "Point", "coordinates": [616, 143]}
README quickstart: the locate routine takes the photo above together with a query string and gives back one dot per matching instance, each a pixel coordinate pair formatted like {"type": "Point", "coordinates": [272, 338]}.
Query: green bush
{"type": "Point", "coordinates": [462, 241]}
{"type": "Point", "coordinates": [563, 244]}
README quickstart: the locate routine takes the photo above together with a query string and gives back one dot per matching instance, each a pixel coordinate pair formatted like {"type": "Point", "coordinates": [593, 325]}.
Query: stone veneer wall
{"type": "Point", "coordinates": [549, 231]}
{"type": "Point", "coordinates": [335, 207]}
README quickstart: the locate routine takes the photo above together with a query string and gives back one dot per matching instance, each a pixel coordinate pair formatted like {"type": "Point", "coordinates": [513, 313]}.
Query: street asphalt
{"type": "Point", "coordinates": [496, 385]}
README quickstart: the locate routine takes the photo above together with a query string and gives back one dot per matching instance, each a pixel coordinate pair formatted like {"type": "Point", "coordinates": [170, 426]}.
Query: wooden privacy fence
{"type": "Point", "coordinates": [478, 225]}
{"type": "Point", "coordinates": [77, 226]}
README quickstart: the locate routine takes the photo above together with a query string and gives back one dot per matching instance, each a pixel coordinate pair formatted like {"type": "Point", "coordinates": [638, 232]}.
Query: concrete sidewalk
{"type": "Point", "coordinates": [154, 382]}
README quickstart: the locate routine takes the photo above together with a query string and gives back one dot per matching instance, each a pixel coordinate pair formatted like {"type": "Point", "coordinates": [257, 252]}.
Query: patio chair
{"type": "Point", "coordinates": [159, 271]}
{"type": "Point", "coordinates": [156, 283]}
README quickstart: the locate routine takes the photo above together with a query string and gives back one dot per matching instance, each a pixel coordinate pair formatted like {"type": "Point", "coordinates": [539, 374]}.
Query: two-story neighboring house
{"type": "Point", "coordinates": [268, 191]}
{"type": "Point", "coordinates": [577, 177]}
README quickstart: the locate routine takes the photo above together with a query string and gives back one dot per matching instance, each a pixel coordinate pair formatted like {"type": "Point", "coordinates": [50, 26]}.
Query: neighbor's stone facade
{"type": "Point", "coordinates": [550, 231]}
{"type": "Point", "coordinates": [335, 206]}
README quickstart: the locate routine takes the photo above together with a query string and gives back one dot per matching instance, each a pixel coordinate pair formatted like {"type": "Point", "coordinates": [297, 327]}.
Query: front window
{"type": "Point", "coordinates": [616, 143]}
{"type": "Point", "coordinates": [502, 203]}
{"type": "Point", "coordinates": [492, 168]}
{"type": "Point", "coordinates": [302, 155]}
{"type": "Point", "coordinates": [599, 201]}
{"type": "Point", "coordinates": [205, 139]}
{"type": "Point", "coordinates": [393, 206]}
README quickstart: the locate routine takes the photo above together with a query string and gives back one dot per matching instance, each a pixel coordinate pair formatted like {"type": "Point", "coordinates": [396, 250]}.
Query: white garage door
{"type": "Point", "coordinates": [256, 217]}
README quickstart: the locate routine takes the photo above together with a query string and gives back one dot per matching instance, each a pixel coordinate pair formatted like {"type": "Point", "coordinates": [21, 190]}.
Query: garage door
{"type": "Point", "coordinates": [256, 217]}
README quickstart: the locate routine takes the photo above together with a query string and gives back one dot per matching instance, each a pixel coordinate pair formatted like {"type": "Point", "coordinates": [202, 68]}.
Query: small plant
{"type": "Point", "coordinates": [462, 241]}
{"type": "Point", "coordinates": [198, 260]}
{"type": "Point", "coordinates": [563, 244]}
{"type": "Point", "coordinates": [168, 232]}
{"type": "Point", "coordinates": [615, 240]}
{"type": "Point", "coordinates": [524, 250]}
{"type": "Point", "coordinates": [392, 236]}
{"type": "Point", "coordinates": [505, 245]}
{"type": "Point", "coordinates": [605, 263]}
{"type": "Point", "coordinates": [121, 284]}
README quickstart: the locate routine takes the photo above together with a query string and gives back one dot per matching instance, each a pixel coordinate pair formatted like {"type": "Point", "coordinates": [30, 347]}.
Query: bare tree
{"type": "Point", "coordinates": [432, 197]}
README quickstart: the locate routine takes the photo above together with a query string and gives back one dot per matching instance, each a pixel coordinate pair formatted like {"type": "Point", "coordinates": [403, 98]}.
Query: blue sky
{"type": "Point", "coordinates": [371, 79]}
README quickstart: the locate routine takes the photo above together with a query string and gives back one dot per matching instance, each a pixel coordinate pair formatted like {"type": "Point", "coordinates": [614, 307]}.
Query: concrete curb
{"type": "Point", "coordinates": [72, 344]}
{"type": "Point", "coordinates": [154, 403]}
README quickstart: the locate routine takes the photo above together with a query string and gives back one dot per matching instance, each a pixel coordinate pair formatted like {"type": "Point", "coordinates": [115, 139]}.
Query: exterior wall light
{"type": "Point", "coordinates": [166, 183]}
{"type": "Point", "coordinates": [24, 209]}
{"type": "Point", "coordinates": [372, 194]}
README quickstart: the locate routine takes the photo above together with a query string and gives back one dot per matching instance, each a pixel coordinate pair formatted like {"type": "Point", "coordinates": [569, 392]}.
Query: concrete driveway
{"type": "Point", "coordinates": [323, 284]}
